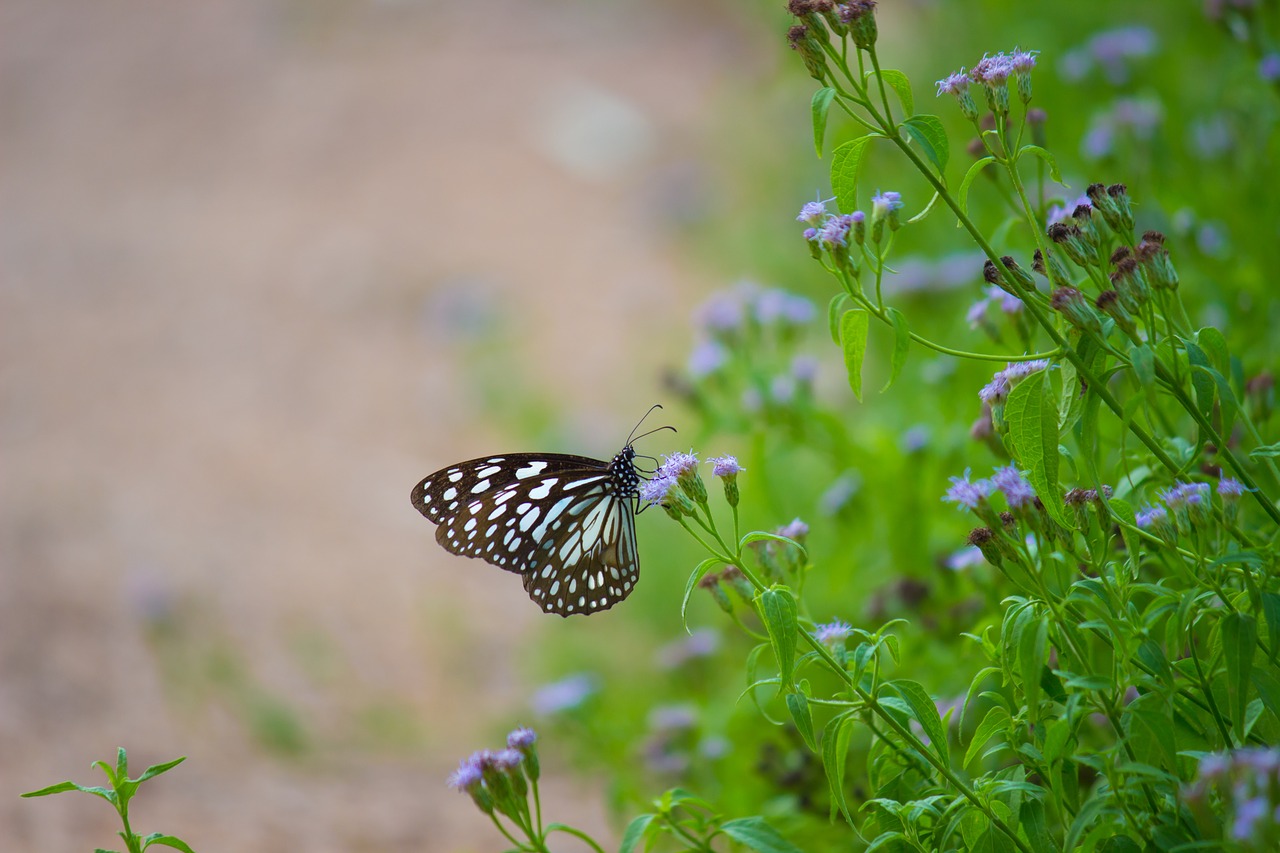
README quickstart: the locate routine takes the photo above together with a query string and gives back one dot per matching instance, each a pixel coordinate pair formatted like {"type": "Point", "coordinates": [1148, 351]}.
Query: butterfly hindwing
{"type": "Point", "coordinates": [566, 523]}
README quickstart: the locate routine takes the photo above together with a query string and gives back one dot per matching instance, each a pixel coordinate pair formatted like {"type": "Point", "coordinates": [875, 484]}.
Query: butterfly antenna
{"type": "Point", "coordinates": [650, 432]}
{"type": "Point", "coordinates": [642, 420]}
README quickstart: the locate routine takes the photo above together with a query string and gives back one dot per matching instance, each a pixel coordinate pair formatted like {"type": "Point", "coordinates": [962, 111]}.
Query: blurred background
{"type": "Point", "coordinates": [266, 263]}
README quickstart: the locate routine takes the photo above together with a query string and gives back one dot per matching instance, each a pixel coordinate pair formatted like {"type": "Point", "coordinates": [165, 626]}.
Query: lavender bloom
{"type": "Point", "coordinates": [467, 776]}
{"type": "Point", "coordinates": [1248, 814]}
{"type": "Point", "coordinates": [655, 491]}
{"type": "Point", "coordinates": [1114, 49]}
{"type": "Point", "coordinates": [813, 213]}
{"type": "Point", "coordinates": [967, 495]}
{"type": "Point", "coordinates": [996, 391]}
{"type": "Point", "coordinates": [1019, 370]}
{"type": "Point", "coordinates": [1142, 116]}
{"type": "Point", "coordinates": [673, 718]}
{"type": "Point", "coordinates": [706, 358]}
{"type": "Point", "coordinates": [804, 368]}
{"type": "Point", "coordinates": [702, 643]}
{"type": "Point", "coordinates": [1183, 495]}
{"type": "Point", "coordinates": [782, 389]}
{"type": "Point", "coordinates": [521, 738]}
{"type": "Point", "coordinates": [1009, 303]}
{"type": "Point", "coordinates": [977, 313]}
{"type": "Point", "coordinates": [795, 530]}
{"type": "Point", "coordinates": [797, 310]}
{"type": "Point", "coordinates": [915, 439]}
{"type": "Point", "coordinates": [677, 464]}
{"type": "Point", "coordinates": [834, 233]}
{"type": "Point", "coordinates": [1016, 490]}
{"type": "Point", "coordinates": [839, 493]}
{"type": "Point", "coordinates": [725, 466]}
{"type": "Point", "coordinates": [1230, 488]}
{"type": "Point", "coordinates": [966, 558]}
{"type": "Point", "coordinates": [1022, 61]}
{"type": "Point", "coordinates": [994, 70]}
{"type": "Point", "coordinates": [508, 759]}
{"type": "Point", "coordinates": [1269, 68]}
{"type": "Point", "coordinates": [837, 630]}
{"type": "Point", "coordinates": [1059, 212]}
{"type": "Point", "coordinates": [1152, 516]}
{"type": "Point", "coordinates": [563, 695]}
{"type": "Point", "coordinates": [954, 84]}
{"type": "Point", "coordinates": [722, 313]}
{"type": "Point", "coordinates": [1100, 140]}
{"type": "Point", "coordinates": [752, 401]}
{"type": "Point", "coordinates": [885, 203]}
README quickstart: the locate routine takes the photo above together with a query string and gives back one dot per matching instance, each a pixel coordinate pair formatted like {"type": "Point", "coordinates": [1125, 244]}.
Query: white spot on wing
{"type": "Point", "coordinates": [531, 470]}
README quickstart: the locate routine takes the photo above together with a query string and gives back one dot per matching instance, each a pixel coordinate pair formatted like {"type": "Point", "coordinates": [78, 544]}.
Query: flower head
{"type": "Point", "coordinates": [563, 695]}
{"type": "Point", "coordinates": [655, 491]}
{"type": "Point", "coordinates": [954, 84]}
{"type": "Point", "coordinates": [1016, 490]}
{"type": "Point", "coordinates": [1230, 488]}
{"type": "Point", "coordinates": [679, 464]}
{"type": "Point", "coordinates": [706, 358]}
{"type": "Point", "coordinates": [813, 213]}
{"type": "Point", "coordinates": [467, 776]}
{"type": "Point", "coordinates": [725, 466]}
{"type": "Point", "coordinates": [837, 630]}
{"type": "Point", "coordinates": [965, 558]}
{"type": "Point", "coordinates": [993, 70]}
{"type": "Point", "coordinates": [884, 203]}
{"type": "Point", "coordinates": [522, 738]}
{"type": "Point", "coordinates": [507, 759]}
{"type": "Point", "coordinates": [967, 495]}
{"type": "Point", "coordinates": [996, 391]}
{"type": "Point", "coordinates": [795, 529]}
{"type": "Point", "coordinates": [1019, 370]}
{"type": "Point", "coordinates": [804, 368]}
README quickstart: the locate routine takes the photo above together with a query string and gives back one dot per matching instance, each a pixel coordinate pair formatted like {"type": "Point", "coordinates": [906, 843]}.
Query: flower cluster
{"type": "Point", "coordinates": [1189, 505]}
{"type": "Point", "coordinates": [498, 781]}
{"type": "Point", "coordinates": [678, 487]}
{"type": "Point", "coordinates": [994, 394]}
{"type": "Point", "coordinates": [993, 73]}
{"type": "Point", "coordinates": [1111, 51]}
{"type": "Point", "coordinates": [1248, 782]}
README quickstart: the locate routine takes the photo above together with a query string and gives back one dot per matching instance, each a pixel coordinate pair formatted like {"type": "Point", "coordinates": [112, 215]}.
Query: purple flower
{"type": "Point", "coordinates": [678, 464]}
{"type": "Point", "coordinates": [1230, 488]}
{"type": "Point", "coordinates": [1100, 139]}
{"type": "Point", "coordinates": [1059, 212]}
{"type": "Point", "coordinates": [706, 358]}
{"type": "Point", "coordinates": [752, 400]}
{"type": "Point", "coordinates": [1009, 303]}
{"type": "Point", "coordinates": [1269, 67]}
{"type": "Point", "coordinates": [1016, 490]}
{"type": "Point", "coordinates": [966, 558]}
{"type": "Point", "coordinates": [782, 389]}
{"type": "Point", "coordinates": [994, 70]}
{"type": "Point", "coordinates": [804, 368]}
{"type": "Point", "coordinates": [885, 203]}
{"type": "Point", "coordinates": [673, 718]}
{"type": "Point", "coordinates": [467, 776]}
{"type": "Point", "coordinates": [702, 643]}
{"type": "Point", "coordinates": [813, 213]}
{"type": "Point", "coordinates": [1022, 369]}
{"type": "Point", "coordinates": [996, 391]}
{"type": "Point", "coordinates": [655, 491]}
{"type": "Point", "coordinates": [837, 630]}
{"type": "Point", "coordinates": [839, 493]}
{"type": "Point", "coordinates": [1186, 495]}
{"type": "Point", "coordinates": [1248, 813]}
{"type": "Point", "coordinates": [795, 530]}
{"type": "Point", "coordinates": [834, 233]}
{"type": "Point", "coordinates": [1151, 516]}
{"type": "Point", "coordinates": [1022, 61]}
{"type": "Point", "coordinates": [953, 84]}
{"type": "Point", "coordinates": [721, 313]}
{"type": "Point", "coordinates": [977, 313]}
{"type": "Point", "coordinates": [915, 439]}
{"type": "Point", "coordinates": [521, 738]}
{"type": "Point", "coordinates": [563, 695]}
{"type": "Point", "coordinates": [725, 466]}
{"type": "Point", "coordinates": [1113, 50]}
{"type": "Point", "coordinates": [507, 759]}
{"type": "Point", "coordinates": [967, 495]}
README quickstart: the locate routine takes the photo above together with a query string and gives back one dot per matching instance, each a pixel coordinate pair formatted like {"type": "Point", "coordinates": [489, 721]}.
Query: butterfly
{"type": "Point", "coordinates": [566, 524]}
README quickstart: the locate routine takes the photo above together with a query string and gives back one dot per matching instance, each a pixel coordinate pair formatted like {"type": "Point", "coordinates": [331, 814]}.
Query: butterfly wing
{"type": "Point", "coordinates": [559, 520]}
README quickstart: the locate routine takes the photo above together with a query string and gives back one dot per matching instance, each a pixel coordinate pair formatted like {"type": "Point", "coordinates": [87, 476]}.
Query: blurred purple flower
{"type": "Point", "coordinates": [967, 495]}
{"type": "Point", "coordinates": [563, 695]}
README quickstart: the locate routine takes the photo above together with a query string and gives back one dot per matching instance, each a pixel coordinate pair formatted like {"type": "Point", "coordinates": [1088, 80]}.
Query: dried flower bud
{"type": "Point", "coordinates": [1073, 305]}
{"type": "Point", "coordinates": [810, 50]}
{"type": "Point", "coordinates": [1108, 302]}
{"type": "Point", "coordinates": [1073, 244]}
{"type": "Point", "coordinates": [860, 16]}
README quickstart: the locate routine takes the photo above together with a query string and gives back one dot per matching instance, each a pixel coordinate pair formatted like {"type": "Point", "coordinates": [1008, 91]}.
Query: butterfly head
{"type": "Point", "coordinates": [624, 473]}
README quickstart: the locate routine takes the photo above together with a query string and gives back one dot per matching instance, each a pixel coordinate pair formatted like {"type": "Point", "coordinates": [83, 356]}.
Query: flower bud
{"type": "Point", "coordinates": [1073, 245]}
{"type": "Point", "coordinates": [1018, 274]}
{"type": "Point", "coordinates": [1154, 258]}
{"type": "Point", "coordinates": [1055, 270]}
{"type": "Point", "coordinates": [732, 575]}
{"type": "Point", "coordinates": [711, 583]}
{"type": "Point", "coordinates": [1108, 302]}
{"type": "Point", "coordinates": [1130, 286]}
{"type": "Point", "coordinates": [1073, 305]}
{"type": "Point", "coordinates": [860, 17]}
{"type": "Point", "coordinates": [958, 84]}
{"type": "Point", "coordinates": [810, 50]}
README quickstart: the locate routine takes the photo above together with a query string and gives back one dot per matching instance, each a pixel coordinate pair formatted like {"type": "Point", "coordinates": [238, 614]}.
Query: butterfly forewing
{"type": "Point", "coordinates": [566, 523]}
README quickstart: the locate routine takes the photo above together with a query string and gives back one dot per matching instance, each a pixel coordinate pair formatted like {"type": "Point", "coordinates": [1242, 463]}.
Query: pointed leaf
{"type": "Point", "coordinates": [820, 106]}
{"type": "Point", "coordinates": [635, 832]}
{"type": "Point", "coordinates": [157, 769]}
{"type": "Point", "coordinates": [53, 789]}
{"type": "Point", "coordinates": [845, 161]}
{"type": "Point", "coordinates": [962, 196]}
{"type": "Point", "coordinates": [798, 705]}
{"type": "Point", "coordinates": [754, 833]}
{"type": "Point", "coordinates": [1239, 636]}
{"type": "Point", "coordinates": [1033, 432]}
{"type": "Point", "coordinates": [853, 340]}
{"type": "Point", "coordinates": [931, 136]}
{"type": "Point", "coordinates": [900, 84]}
{"type": "Point", "coordinates": [1047, 157]}
{"type": "Point", "coordinates": [834, 310]}
{"type": "Point", "coordinates": [167, 841]}
{"type": "Point", "coordinates": [995, 722]}
{"type": "Point", "coordinates": [778, 610]}
{"type": "Point", "coordinates": [1271, 613]}
{"type": "Point", "coordinates": [698, 572]}
{"type": "Point", "coordinates": [835, 753]}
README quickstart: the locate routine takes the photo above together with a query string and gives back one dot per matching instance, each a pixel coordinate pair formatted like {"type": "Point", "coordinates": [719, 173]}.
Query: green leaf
{"type": "Point", "coordinates": [798, 705]}
{"type": "Point", "coordinates": [900, 84]}
{"type": "Point", "coordinates": [1047, 158]}
{"type": "Point", "coordinates": [1214, 345]}
{"type": "Point", "coordinates": [995, 722]}
{"type": "Point", "coordinates": [778, 610]}
{"type": "Point", "coordinates": [962, 196]}
{"type": "Point", "coordinates": [853, 340]}
{"type": "Point", "coordinates": [1266, 451]}
{"type": "Point", "coordinates": [821, 105]}
{"type": "Point", "coordinates": [122, 763]}
{"type": "Point", "coordinates": [1226, 398]}
{"type": "Point", "coordinates": [698, 572]}
{"type": "Point", "coordinates": [1031, 820]}
{"type": "Point", "coordinates": [635, 832]}
{"type": "Point", "coordinates": [53, 789]}
{"type": "Point", "coordinates": [834, 309]}
{"type": "Point", "coordinates": [1128, 531]}
{"type": "Point", "coordinates": [901, 346]}
{"type": "Point", "coordinates": [763, 536]}
{"type": "Point", "coordinates": [1268, 687]}
{"type": "Point", "coordinates": [1239, 636]}
{"type": "Point", "coordinates": [931, 136]}
{"type": "Point", "coordinates": [925, 710]}
{"type": "Point", "coordinates": [1033, 652]}
{"type": "Point", "coordinates": [167, 841]}
{"type": "Point", "coordinates": [1033, 432]}
{"type": "Point", "coordinates": [1271, 613]}
{"type": "Point", "coordinates": [754, 833]}
{"type": "Point", "coordinates": [845, 161]}
{"type": "Point", "coordinates": [1143, 361]}
{"type": "Point", "coordinates": [157, 769]}
{"type": "Point", "coordinates": [1200, 381]}
{"type": "Point", "coordinates": [1148, 728]}
{"type": "Point", "coordinates": [835, 753]}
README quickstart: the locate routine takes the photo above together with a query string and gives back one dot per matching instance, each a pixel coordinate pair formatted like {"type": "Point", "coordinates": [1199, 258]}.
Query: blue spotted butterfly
{"type": "Point", "coordinates": [565, 523]}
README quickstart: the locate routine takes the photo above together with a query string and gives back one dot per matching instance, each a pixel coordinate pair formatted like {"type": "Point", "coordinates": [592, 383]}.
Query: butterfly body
{"type": "Point", "coordinates": [565, 523]}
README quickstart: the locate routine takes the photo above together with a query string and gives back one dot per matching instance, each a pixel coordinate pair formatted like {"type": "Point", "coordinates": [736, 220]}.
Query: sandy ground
{"type": "Point", "coordinates": [247, 251]}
